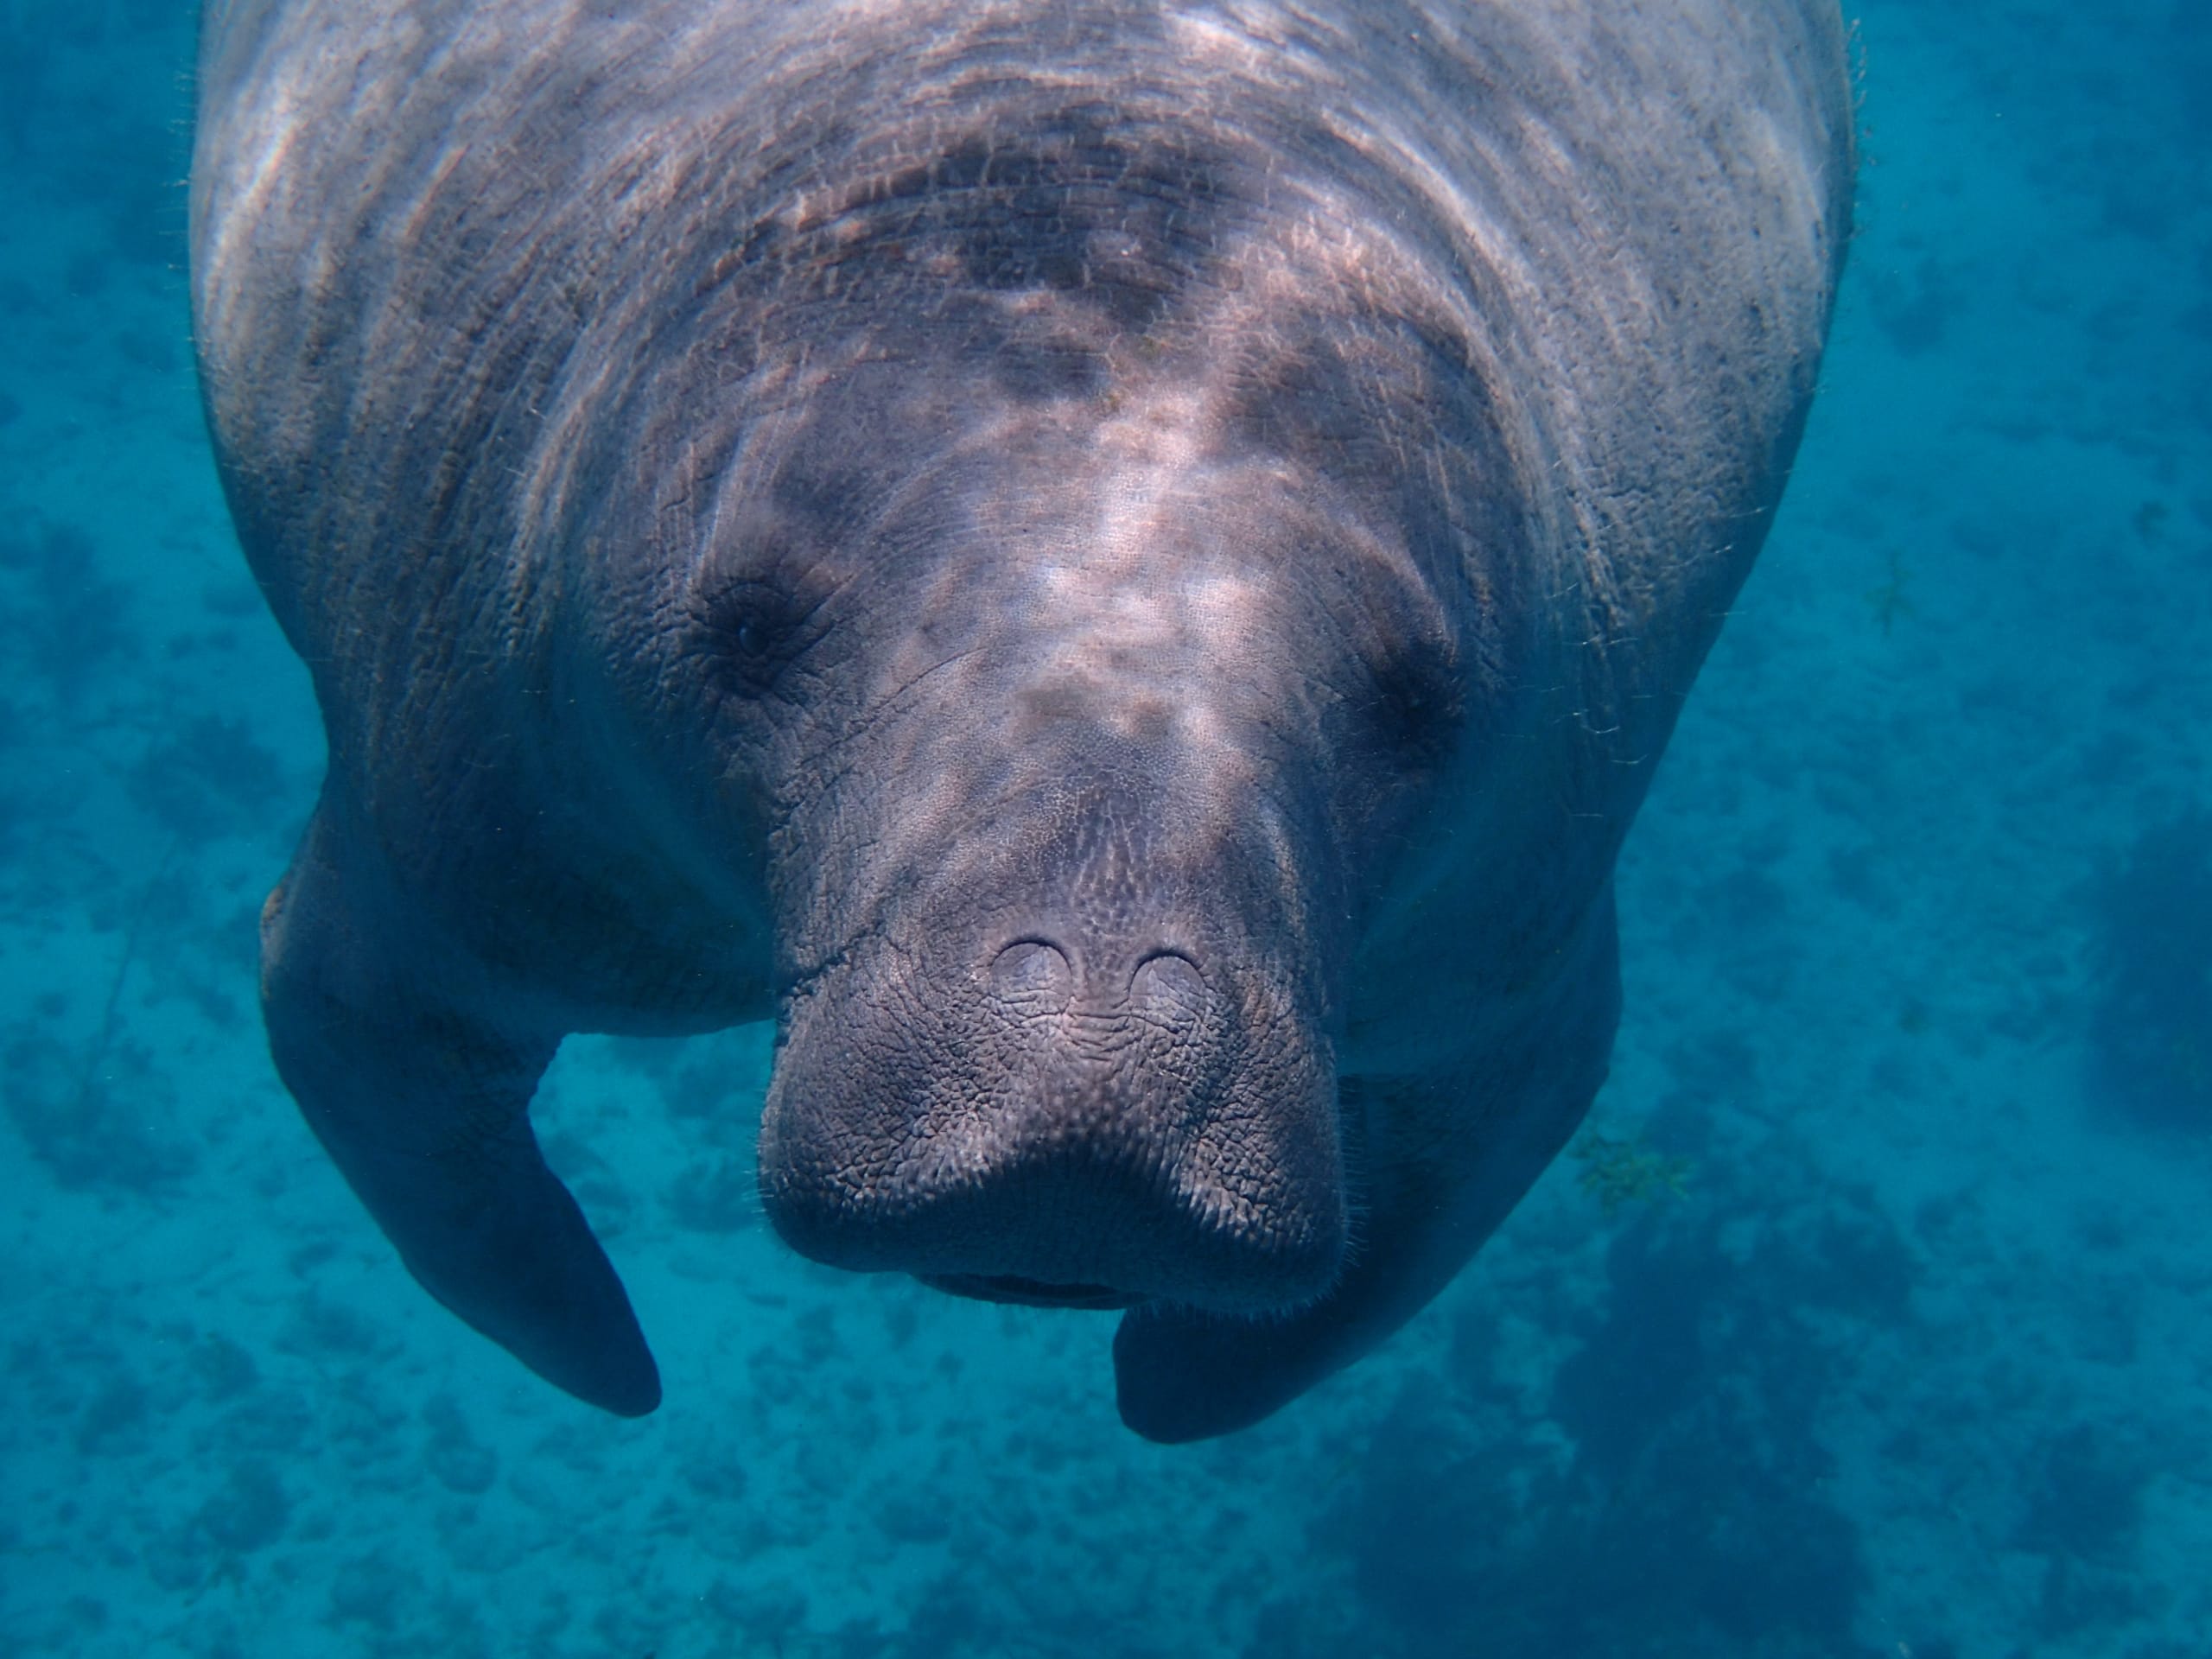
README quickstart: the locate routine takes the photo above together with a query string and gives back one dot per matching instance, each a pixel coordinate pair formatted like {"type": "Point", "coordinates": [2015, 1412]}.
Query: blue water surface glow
{"type": "Point", "coordinates": [1917, 1361]}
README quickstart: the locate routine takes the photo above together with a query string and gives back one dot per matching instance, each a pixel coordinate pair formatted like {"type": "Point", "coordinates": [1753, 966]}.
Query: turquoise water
{"type": "Point", "coordinates": [1918, 1363]}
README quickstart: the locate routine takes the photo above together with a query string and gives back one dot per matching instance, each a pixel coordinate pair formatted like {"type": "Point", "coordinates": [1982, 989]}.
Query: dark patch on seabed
{"type": "Point", "coordinates": [1867, 1319]}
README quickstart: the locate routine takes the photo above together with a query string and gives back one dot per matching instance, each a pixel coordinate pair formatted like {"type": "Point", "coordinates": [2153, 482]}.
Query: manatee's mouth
{"type": "Point", "coordinates": [1031, 1293]}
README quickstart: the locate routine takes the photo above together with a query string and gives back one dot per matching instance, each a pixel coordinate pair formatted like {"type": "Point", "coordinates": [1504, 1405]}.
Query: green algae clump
{"type": "Point", "coordinates": [1620, 1170]}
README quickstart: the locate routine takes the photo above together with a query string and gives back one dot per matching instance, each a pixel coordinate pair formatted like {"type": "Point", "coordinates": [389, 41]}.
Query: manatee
{"type": "Point", "coordinates": [1119, 571]}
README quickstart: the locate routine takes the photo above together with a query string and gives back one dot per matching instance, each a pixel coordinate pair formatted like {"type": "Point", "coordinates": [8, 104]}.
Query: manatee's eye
{"type": "Point", "coordinates": [1417, 710]}
{"type": "Point", "coordinates": [755, 628]}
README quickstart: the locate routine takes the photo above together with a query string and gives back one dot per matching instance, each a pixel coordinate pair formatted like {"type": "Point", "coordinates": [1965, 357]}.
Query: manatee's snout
{"type": "Point", "coordinates": [1092, 1091]}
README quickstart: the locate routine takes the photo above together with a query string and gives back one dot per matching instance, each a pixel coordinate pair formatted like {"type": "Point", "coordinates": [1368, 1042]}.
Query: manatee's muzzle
{"type": "Point", "coordinates": [1068, 1123]}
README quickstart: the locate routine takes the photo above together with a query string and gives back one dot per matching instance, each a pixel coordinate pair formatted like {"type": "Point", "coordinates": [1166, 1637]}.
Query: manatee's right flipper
{"type": "Point", "coordinates": [422, 1104]}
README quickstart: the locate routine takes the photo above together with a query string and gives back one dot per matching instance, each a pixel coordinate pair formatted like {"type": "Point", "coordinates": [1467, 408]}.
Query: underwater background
{"type": "Point", "coordinates": [1870, 1314]}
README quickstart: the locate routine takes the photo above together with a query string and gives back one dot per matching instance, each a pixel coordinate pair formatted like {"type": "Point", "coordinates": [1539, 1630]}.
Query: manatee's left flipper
{"type": "Point", "coordinates": [421, 1101]}
{"type": "Point", "coordinates": [1438, 1164]}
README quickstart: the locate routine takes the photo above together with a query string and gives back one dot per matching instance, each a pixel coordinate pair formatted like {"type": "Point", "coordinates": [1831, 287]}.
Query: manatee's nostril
{"type": "Point", "coordinates": [1031, 976]}
{"type": "Point", "coordinates": [1168, 983]}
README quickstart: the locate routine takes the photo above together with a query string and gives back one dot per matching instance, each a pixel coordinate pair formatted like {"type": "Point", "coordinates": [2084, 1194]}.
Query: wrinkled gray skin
{"type": "Point", "coordinates": [1119, 571]}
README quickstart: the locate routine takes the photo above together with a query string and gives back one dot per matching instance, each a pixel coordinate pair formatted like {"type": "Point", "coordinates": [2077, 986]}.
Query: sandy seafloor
{"type": "Point", "coordinates": [1916, 925]}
